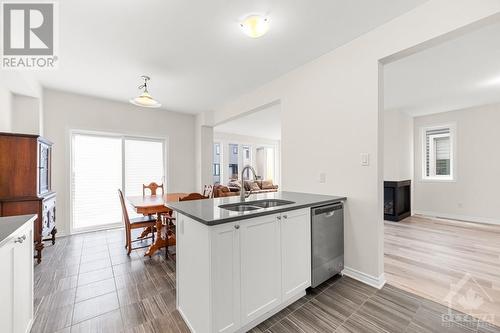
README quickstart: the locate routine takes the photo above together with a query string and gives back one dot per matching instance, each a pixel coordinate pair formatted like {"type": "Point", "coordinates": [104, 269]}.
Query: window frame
{"type": "Point", "coordinates": [432, 163]}
{"type": "Point", "coordinates": [72, 132]}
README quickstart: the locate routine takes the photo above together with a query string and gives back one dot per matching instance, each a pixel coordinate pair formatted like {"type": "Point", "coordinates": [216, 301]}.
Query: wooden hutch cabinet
{"type": "Point", "coordinates": [25, 183]}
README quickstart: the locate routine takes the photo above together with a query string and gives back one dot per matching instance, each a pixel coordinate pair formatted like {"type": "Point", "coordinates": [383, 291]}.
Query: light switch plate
{"type": "Point", "coordinates": [365, 159]}
{"type": "Point", "coordinates": [322, 177]}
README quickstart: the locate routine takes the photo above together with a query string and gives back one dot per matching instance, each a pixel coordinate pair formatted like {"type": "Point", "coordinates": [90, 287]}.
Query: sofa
{"type": "Point", "coordinates": [256, 186]}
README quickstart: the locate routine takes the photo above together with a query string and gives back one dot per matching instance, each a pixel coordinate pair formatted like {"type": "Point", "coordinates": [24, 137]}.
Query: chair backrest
{"type": "Point", "coordinates": [193, 196]}
{"type": "Point", "coordinates": [208, 191]}
{"type": "Point", "coordinates": [126, 219]}
{"type": "Point", "coordinates": [152, 187]}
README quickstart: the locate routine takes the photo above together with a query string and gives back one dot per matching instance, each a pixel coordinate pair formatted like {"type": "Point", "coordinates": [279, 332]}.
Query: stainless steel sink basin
{"type": "Point", "coordinates": [266, 203]}
{"type": "Point", "coordinates": [253, 205]}
{"type": "Point", "coordinates": [239, 207]}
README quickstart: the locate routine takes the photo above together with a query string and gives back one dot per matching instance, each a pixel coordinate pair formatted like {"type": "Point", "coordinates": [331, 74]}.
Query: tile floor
{"type": "Point", "coordinates": [86, 283]}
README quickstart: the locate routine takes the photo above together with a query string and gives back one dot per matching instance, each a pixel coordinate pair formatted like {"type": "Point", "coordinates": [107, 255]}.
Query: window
{"type": "Point", "coordinates": [143, 164]}
{"type": "Point", "coordinates": [265, 161]}
{"type": "Point", "coordinates": [96, 176]}
{"type": "Point", "coordinates": [102, 164]}
{"type": "Point", "coordinates": [217, 158]}
{"type": "Point", "coordinates": [232, 162]}
{"type": "Point", "coordinates": [438, 153]}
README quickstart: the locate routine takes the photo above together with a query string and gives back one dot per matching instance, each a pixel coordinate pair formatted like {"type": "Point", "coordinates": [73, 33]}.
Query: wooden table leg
{"type": "Point", "coordinates": [160, 242]}
{"type": "Point", "coordinates": [147, 231]}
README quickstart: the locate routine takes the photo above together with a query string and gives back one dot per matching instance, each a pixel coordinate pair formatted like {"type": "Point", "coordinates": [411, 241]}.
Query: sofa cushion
{"type": "Point", "coordinates": [235, 184]}
{"type": "Point", "coordinates": [268, 185]}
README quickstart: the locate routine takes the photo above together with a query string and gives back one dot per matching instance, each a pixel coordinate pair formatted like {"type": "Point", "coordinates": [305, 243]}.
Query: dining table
{"type": "Point", "coordinates": [155, 205]}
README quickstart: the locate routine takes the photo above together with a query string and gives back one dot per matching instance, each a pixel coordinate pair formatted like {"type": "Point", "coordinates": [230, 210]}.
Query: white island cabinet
{"type": "Point", "coordinates": [232, 276]}
{"type": "Point", "coordinates": [16, 279]}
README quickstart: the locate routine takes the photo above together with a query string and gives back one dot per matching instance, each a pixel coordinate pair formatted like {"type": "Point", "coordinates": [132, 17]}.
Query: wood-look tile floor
{"type": "Point", "coordinates": [86, 283]}
{"type": "Point", "coordinates": [430, 257]}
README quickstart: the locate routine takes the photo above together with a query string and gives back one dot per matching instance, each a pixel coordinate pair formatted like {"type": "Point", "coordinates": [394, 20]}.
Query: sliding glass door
{"type": "Point", "coordinates": [102, 164]}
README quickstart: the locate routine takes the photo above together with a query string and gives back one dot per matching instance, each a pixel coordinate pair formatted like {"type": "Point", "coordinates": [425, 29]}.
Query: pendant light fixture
{"type": "Point", "coordinates": [145, 99]}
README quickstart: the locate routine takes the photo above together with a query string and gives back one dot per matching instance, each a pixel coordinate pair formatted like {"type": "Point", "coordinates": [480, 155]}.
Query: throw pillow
{"type": "Point", "coordinates": [254, 186]}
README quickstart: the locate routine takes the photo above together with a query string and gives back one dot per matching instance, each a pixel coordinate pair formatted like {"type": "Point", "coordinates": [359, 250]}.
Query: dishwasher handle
{"type": "Point", "coordinates": [329, 210]}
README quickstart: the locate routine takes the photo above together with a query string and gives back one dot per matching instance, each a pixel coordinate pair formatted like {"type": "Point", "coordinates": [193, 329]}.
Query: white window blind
{"type": "Point", "coordinates": [96, 177]}
{"type": "Point", "coordinates": [143, 164]}
{"type": "Point", "coordinates": [103, 164]}
{"type": "Point", "coordinates": [438, 156]}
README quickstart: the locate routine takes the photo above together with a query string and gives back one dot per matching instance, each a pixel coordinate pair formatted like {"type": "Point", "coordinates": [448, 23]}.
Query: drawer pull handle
{"type": "Point", "coordinates": [278, 218]}
{"type": "Point", "coordinates": [20, 239]}
{"type": "Point", "coordinates": [285, 216]}
{"type": "Point", "coordinates": [236, 227]}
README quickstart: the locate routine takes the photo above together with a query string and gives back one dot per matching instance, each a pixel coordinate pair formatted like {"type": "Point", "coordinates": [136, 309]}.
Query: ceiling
{"type": "Point", "coordinates": [460, 73]}
{"type": "Point", "coordinates": [264, 124]}
{"type": "Point", "coordinates": [194, 51]}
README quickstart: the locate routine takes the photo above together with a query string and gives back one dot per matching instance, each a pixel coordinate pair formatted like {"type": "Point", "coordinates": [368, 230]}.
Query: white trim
{"type": "Point", "coordinates": [376, 282]}
{"type": "Point", "coordinates": [186, 320]}
{"type": "Point", "coordinates": [463, 218]}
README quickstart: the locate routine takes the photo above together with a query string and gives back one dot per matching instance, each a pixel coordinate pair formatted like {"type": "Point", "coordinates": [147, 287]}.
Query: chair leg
{"type": "Point", "coordinates": [129, 242]}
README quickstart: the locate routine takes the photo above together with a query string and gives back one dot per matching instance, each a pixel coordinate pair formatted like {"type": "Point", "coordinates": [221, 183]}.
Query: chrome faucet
{"type": "Point", "coordinates": [244, 195]}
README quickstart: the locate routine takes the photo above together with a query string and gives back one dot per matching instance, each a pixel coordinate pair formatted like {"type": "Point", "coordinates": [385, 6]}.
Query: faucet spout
{"type": "Point", "coordinates": [244, 195]}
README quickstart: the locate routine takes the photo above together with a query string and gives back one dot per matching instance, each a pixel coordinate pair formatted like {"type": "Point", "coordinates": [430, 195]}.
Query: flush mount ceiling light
{"type": "Point", "coordinates": [145, 99]}
{"type": "Point", "coordinates": [255, 26]}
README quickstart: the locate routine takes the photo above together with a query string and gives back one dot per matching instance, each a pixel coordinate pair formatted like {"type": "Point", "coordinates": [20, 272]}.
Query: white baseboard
{"type": "Point", "coordinates": [484, 220]}
{"type": "Point", "coordinates": [188, 323]}
{"type": "Point", "coordinates": [376, 282]}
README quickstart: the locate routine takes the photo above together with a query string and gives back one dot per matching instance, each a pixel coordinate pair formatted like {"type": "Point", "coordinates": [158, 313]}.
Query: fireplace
{"type": "Point", "coordinates": [397, 200]}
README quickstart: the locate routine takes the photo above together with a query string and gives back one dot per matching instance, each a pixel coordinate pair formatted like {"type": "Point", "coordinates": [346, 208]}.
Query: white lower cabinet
{"type": "Point", "coordinates": [255, 267]}
{"type": "Point", "coordinates": [260, 261]}
{"type": "Point", "coordinates": [296, 252]}
{"type": "Point", "coordinates": [225, 243]}
{"type": "Point", "coordinates": [16, 293]}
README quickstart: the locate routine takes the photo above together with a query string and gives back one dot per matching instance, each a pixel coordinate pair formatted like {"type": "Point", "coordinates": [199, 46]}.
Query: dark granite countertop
{"type": "Point", "coordinates": [208, 212]}
{"type": "Point", "coordinates": [10, 224]}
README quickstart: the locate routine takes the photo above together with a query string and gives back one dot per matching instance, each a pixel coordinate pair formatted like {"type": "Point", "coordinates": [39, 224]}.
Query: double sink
{"type": "Point", "coordinates": [257, 204]}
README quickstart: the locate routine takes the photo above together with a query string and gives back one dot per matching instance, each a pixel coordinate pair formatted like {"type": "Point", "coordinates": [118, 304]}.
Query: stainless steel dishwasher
{"type": "Point", "coordinates": [327, 242]}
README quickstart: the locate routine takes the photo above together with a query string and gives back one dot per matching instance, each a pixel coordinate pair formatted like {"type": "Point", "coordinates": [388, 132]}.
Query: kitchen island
{"type": "Point", "coordinates": [238, 263]}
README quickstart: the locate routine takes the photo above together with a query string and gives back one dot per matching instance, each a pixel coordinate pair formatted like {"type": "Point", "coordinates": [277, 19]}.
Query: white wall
{"type": "Point", "coordinates": [66, 111]}
{"type": "Point", "coordinates": [5, 109]}
{"type": "Point", "coordinates": [203, 137]}
{"type": "Point", "coordinates": [398, 146]}
{"type": "Point", "coordinates": [26, 114]}
{"type": "Point", "coordinates": [474, 195]}
{"type": "Point", "coordinates": [330, 115]}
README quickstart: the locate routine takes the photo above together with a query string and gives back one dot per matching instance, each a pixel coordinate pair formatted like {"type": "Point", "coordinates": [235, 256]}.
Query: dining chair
{"type": "Point", "coordinates": [169, 220]}
{"type": "Point", "coordinates": [152, 187]}
{"type": "Point", "coordinates": [208, 191]}
{"type": "Point", "coordinates": [135, 223]}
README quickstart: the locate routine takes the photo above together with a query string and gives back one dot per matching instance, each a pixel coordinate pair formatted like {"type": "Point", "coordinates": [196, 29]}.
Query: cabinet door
{"type": "Point", "coordinates": [7, 287]}
{"type": "Point", "coordinates": [226, 277]}
{"type": "Point", "coordinates": [295, 252]}
{"type": "Point", "coordinates": [44, 152]}
{"type": "Point", "coordinates": [260, 266]}
{"type": "Point", "coordinates": [23, 281]}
